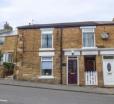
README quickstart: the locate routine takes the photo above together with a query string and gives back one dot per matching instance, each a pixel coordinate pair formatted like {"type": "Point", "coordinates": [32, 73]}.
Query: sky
{"type": "Point", "coordinates": [23, 12]}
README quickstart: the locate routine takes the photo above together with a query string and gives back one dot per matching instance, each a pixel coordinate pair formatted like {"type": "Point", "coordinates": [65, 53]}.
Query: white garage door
{"type": "Point", "coordinates": [108, 70]}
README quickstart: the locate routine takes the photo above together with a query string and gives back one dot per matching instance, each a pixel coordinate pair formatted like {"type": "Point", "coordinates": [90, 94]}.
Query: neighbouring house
{"type": "Point", "coordinates": [8, 48]}
{"type": "Point", "coordinates": [6, 28]}
{"type": "Point", "coordinates": [80, 53]}
{"type": "Point", "coordinates": [8, 40]}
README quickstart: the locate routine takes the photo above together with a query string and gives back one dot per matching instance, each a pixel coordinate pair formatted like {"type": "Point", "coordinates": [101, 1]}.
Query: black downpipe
{"type": "Point", "coordinates": [61, 54]}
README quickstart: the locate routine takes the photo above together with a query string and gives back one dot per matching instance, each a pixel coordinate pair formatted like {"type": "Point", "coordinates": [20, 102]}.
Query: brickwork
{"type": "Point", "coordinates": [64, 72]}
{"type": "Point", "coordinates": [99, 70]}
{"type": "Point", "coordinates": [30, 67]}
{"type": "Point", "coordinates": [72, 38]}
{"type": "Point", "coordinates": [9, 44]}
{"type": "Point", "coordinates": [104, 43]}
{"type": "Point", "coordinates": [81, 71]}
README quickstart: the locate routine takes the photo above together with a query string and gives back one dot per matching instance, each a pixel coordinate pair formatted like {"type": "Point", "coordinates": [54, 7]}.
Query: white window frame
{"type": "Point", "coordinates": [3, 38]}
{"type": "Point", "coordinates": [46, 76]}
{"type": "Point", "coordinates": [6, 56]}
{"type": "Point", "coordinates": [44, 32]}
{"type": "Point", "coordinates": [88, 29]}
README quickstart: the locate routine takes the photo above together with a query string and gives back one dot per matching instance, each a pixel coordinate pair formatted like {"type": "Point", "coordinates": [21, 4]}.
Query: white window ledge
{"type": "Point", "coordinates": [46, 77]}
{"type": "Point", "coordinates": [43, 49]}
{"type": "Point", "coordinates": [89, 47]}
{"type": "Point", "coordinates": [45, 53]}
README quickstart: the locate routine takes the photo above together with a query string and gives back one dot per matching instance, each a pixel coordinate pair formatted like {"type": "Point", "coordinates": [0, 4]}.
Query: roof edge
{"type": "Point", "coordinates": [69, 24]}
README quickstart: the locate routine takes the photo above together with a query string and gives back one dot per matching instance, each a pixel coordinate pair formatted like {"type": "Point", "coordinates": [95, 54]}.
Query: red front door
{"type": "Point", "coordinates": [72, 70]}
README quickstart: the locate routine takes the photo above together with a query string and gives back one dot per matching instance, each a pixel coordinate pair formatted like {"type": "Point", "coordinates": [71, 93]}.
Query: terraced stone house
{"type": "Point", "coordinates": [80, 53]}
{"type": "Point", "coordinates": [8, 40]}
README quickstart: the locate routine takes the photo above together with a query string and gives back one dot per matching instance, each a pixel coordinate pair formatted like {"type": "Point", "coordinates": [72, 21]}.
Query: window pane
{"type": "Point", "coordinates": [91, 39]}
{"type": "Point", "coordinates": [84, 39]}
{"type": "Point", "coordinates": [2, 39]}
{"type": "Point", "coordinates": [44, 41]}
{"type": "Point", "coordinates": [46, 65]}
{"type": "Point", "coordinates": [47, 41]}
{"type": "Point", "coordinates": [108, 57]}
{"type": "Point", "coordinates": [46, 72]}
{"type": "Point", "coordinates": [9, 57]}
{"type": "Point", "coordinates": [88, 39]}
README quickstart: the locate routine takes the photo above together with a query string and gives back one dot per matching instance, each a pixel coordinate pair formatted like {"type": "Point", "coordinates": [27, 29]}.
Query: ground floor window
{"type": "Point", "coordinates": [46, 65]}
{"type": "Point", "coordinates": [7, 57]}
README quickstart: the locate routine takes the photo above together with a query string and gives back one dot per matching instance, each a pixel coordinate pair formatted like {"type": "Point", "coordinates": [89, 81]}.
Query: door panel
{"type": "Point", "coordinates": [90, 63]}
{"type": "Point", "coordinates": [72, 71]}
{"type": "Point", "coordinates": [90, 70]}
{"type": "Point", "coordinates": [108, 71]}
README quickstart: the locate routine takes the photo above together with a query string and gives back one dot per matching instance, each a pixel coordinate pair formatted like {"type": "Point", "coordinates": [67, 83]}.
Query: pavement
{"type": "Point", "coordinates": [72, 88]}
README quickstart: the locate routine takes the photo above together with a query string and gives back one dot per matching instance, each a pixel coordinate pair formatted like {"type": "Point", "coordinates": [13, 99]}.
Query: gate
{"type": "Point", "coordinates": [91, 78]}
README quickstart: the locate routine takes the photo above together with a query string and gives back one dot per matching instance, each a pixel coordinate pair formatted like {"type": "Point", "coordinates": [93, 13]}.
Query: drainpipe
{"type": "Point", "coordinates": [15, 57]}
{"type": "Point", "coordinates": [61, 55]}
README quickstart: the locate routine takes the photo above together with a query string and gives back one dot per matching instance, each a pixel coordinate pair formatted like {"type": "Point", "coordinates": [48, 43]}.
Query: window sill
{"type": "Point", "coordinates": [46, 77]}
{"type": "Point", "coordinates": [89, 47]}
{"type": "Point", "coordinates": [43, 49]}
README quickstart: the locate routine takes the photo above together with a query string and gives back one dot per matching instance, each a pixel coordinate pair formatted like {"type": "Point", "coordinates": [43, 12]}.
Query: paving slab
{"type": "Point", "coordinates": [73, 88]}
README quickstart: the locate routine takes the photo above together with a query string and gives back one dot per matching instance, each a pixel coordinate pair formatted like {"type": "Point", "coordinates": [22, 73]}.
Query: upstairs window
{"type": "Point", "coordinates": [2, 39]}
{"type": "Point", "coordinates": [46, 39]}
{"type": "Point", "coordinates": [88, 37]}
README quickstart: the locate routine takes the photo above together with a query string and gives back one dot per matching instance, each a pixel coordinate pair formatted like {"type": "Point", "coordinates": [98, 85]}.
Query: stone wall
{"type": "Point", "coordinates": [9, 44]}
{"type": "Point", "coordinates": [29, 59]}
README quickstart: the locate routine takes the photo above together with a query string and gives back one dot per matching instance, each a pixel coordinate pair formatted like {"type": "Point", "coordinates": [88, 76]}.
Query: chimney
{"type": "Point", "coordinates": [113, 19]}
{"type": "Point", "coordinates": [7, 26]}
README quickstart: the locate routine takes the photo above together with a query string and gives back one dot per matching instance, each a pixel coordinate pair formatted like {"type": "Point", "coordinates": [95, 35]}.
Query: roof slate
{"type": "Point", "coordinates": [70, 24]}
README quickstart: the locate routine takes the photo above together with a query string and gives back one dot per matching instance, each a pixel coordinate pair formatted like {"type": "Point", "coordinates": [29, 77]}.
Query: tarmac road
{"type": "Point", "coordinates": [25, 95]}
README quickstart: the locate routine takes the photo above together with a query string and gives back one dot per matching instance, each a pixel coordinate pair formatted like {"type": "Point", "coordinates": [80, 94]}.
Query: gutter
{"type": "Point", "coordinates": [61, 54]}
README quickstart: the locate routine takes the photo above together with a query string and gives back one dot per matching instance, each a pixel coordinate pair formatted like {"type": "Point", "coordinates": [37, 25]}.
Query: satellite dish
{"type": "Point", "coordinates": [104, 35]}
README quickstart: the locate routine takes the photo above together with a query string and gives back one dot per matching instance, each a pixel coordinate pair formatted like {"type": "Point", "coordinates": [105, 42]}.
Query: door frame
{"type": "Point", "coordinates": [77, 70]}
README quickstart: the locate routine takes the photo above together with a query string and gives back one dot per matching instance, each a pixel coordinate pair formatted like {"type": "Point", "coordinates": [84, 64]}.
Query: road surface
{"type": "Point", "coordinates": [24, 95]}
